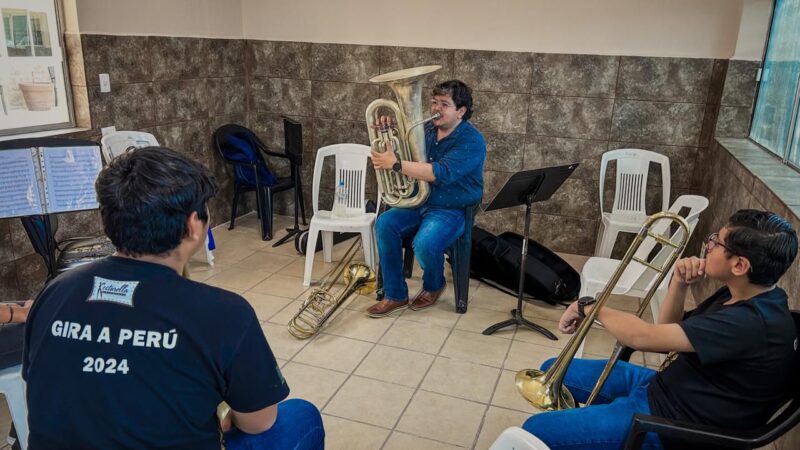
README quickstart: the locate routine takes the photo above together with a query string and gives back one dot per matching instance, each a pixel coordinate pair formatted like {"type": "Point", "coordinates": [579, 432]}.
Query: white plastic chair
{"type": "Point", "coordinates": [515, 438]}
{"type": "Point", "coordinates": [636, 280]}
{"type": "Point", "coordinates": [13, 387]}
{"type": "Point", "coordinates": [116, 143]}
{"type": "Point", "coordinates": [628, 212]}
{"type": "Point", "coordinates": [351, 167]}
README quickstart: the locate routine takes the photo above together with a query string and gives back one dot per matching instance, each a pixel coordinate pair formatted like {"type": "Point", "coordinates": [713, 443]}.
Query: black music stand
{"type": "Point", "coordinates": [526, 188]}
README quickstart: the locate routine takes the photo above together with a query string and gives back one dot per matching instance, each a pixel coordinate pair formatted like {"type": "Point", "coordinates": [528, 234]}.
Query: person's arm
{"type": "Point", "coordinates": [417, 170]}
{"type": "Point", "coordinates": [255, 422]}
{"type": "Point", "coordinates": [14, 313]}
{"type": "Point", "coordinates": [687, 271]}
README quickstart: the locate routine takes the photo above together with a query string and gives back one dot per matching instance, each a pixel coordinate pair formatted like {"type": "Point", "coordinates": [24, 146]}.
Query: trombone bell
{"type": "Point", "coordinates": [532, 385]}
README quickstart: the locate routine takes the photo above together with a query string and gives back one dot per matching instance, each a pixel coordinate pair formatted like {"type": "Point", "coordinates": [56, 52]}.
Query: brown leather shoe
{"type": "Point", "coordinates": [425, 299]}
{"type": "Point", "coordinates": [385, 307]}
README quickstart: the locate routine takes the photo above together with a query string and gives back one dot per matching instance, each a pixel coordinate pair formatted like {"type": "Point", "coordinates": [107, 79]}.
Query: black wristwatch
{"type": "Point", "coordinates": [397, 166]}
{"type": "Point", "coordinates": [584, 302]}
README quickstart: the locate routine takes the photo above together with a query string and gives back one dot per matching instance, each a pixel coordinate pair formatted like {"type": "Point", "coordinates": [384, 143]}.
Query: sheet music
{"type": "Point", "coordinates": [70, 173]}
{"type": "Point", "coordinates": [19, 188]}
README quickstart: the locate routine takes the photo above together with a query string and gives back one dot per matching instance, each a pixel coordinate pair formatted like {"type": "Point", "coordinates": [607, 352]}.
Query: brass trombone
{"type": "Point", "coordinates": [545, 390]}
{"type": "Point", "coordinates": [321, 303]}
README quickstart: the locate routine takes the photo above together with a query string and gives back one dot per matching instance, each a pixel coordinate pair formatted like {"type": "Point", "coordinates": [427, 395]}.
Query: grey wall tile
{"type": "Point", "coordinates": [226, 95]}
{"type": "Point", "coordinates": [83, 223]}
{"type": "Point", "coordinates": [280, 95]}
{"type": "Point", "coordinates": [328, 132]}
{"type": "Point", "coordinates": [269, 127]}
{"type": "Point", "coordinates": [740, 83]}
{"type": "Point", "coordinates": [574, 75]}
{"type": "Point", "coordinates": [280, 59]}
{"type": "Point", "coordinates": [657, 123]}
{"type": "Point", "coordinates": [500, 112]}
{"type": "Point", "coordinates": [504, 151]}
{"type": "Point", "coordinates": [224, 57]}
{"type": "Point", "coordinates": [31, 275]}
{"type": "Point", "coordinates": [180, 100]}
{"type": "Point", "coordinates": [340, 62]}
{"type": "Point", "coordinates": [544, 151]}
{"type": "Point", "coordinates": [733, 121]}
{"type": "Point", "coordinates": [499, 221]}
{"type": "Point", "coordinates": [6, 245]}
{"type": "Point", "coordinates": [396, 58]}
{"type": "Point", "coordinates": [126, 59]}
{"type": "Point", "coordinates": [343, 101]}
{"type": "Point", "coordinates": [681, 162]}
{"type": "Point", "coordinates": [19, 240]}
{"type": "Point", "coordinates": [494, 71]}
{"type": "Point", "coordinates": [575, 198]}
{"type": "Point", "coordinates": [563, 233]}
{"type": "Point", "coordinates": [713, 101]}
{"type": "Point", "coordinates": [128, 106]}
{"type": "Point", "coordinates": [576, 117]}
{"type": "Point", "coordinates": [176, 58]}
{"type": "Point", "coordinates": [664, 79]}
{"type": "Point", "coordinates": [189, 138]}
{"type": "Point", "coordinates": [9, 288]}
{"type": "Point", "coordinates": [493, 181]}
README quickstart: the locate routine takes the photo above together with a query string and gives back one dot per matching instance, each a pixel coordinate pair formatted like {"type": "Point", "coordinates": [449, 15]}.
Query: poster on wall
{"type": "Point", "coordinates": [33, 94]}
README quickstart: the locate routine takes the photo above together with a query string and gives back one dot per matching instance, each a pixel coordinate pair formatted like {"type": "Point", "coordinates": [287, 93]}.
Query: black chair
{"type": "Point", "coordinates": [253, 163]}
{"type": "Point", "coordinates": [458, 255]}
{"type": "Point", "coordinates": [711, 437]}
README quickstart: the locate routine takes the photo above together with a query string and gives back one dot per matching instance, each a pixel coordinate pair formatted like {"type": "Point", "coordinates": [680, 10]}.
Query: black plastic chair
{"type": "Point", "coordinates": [256, 163]}
{"type": "Point", "coordinates": [705, 436]}
{"type": "Point", "coordinates": [458, 255]}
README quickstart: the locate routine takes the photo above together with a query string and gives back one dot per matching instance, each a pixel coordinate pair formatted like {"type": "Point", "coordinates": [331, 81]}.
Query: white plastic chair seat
{"type": "Point", "coordinates": [13, 388]}
{"type": "Point", "coordinates": [597, 271]}
{"type": "Point", "coordinates": [515, 438]}
{"type": "Point", "coordinates": [324, 217]}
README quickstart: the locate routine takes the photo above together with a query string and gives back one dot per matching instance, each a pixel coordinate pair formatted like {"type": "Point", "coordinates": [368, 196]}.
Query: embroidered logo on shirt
{"type": "Point", "coordinates": [120, 292]}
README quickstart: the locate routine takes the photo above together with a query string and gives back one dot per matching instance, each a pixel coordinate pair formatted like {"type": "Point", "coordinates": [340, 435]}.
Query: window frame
{"type": "Point", "coordinates": [70, 123]}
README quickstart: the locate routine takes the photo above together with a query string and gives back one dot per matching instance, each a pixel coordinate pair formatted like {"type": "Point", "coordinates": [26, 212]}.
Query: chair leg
{"type": "Point", "coordinates": [302, 201]}
{"type": "Point", "coordinates": [606, 244]}
{"type": "Point", "coordinates": [368, 247]}
{"type": "Point", "coordinates": [311, 245]}
{"type": "Point", "coordinates": [460, 269]}
{"type": "Point", "coordinates": [327, 246]}
{"type": "Point", "coordinates": [19, 411]}
{"type": "Point", "coordinates": [408, 261]}
{"type": "Point", "coordinates": [266, 216]}
{"type": "Point", "coordinates": [233, 207]}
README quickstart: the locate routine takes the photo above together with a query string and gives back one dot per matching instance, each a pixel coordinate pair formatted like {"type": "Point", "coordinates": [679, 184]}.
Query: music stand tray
{"type": "Point", "coordinates": [526, 188]}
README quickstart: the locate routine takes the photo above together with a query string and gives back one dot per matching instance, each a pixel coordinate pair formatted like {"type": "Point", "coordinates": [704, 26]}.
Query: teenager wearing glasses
{"type": "Point", "coordinates": [731, 358]}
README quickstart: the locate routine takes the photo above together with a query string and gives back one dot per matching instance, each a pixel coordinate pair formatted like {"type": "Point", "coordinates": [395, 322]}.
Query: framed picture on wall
{"type": "Point", "coordinates": [33, 78]}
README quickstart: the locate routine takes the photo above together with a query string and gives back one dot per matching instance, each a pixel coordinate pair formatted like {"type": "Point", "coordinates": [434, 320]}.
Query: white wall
{"type": "Point", "coordinates": [756, 15]}
{"type": "Point", "coordinates": [188, 18]}
{"type": "Point", "coordinates": [691, 28]}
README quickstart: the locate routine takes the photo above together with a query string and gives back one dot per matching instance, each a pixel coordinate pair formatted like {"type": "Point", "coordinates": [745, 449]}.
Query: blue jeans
{"type": "Point", "coordinates": [298, 427]}
{"type": "Point", "coordinates": [436, 229]}
{"type": "Point", "coordinates": [605, 424]}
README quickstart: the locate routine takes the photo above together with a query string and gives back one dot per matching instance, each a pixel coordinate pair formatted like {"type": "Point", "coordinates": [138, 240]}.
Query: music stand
{"type": "Point", "coordinates": [526, 188]}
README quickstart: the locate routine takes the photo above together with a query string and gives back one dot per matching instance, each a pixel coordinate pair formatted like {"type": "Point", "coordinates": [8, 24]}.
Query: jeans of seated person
{"type": "Point", "coordinates": [436, 230]}
{"type": "Point", "coordinates": [605, 424]}
{"type": "Point", "coordinates": [298, 427]}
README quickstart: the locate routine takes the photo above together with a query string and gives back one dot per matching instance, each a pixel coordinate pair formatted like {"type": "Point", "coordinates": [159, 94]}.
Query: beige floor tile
{"type": "Point", "coordinates": [442, 314]}
{"type": "Point", "coordinates": [536, 311]}
{"type": "Point", "coordinates": [266, 306]}
{"type": "Point", "coordinates": [478, 319]}
{"type": "Point", "coordinates": [524, 356]}
{"type": "Point", "coordinates": [497, 420]}
{"type": "Point", "coordinates": [265, 262]}
{"type": "Point", "coordinates": [283, 316]}
{"type": "Point", "coordinates": [343, 434]}
{"type": "Point", "coordinates": [395, 365]}
{"type": "Point", "coordinates": [420, 337]}
{"type": "Point", "coordinates": [461, 379]}
{"type": "Point", "coordinates": [283, 344]}
{"type": "Point", "coordinates": [490, 298]}
{"type": "Point", "coordinates": [312, 383]}
{"type": "Point", "coordinates": [599, 342]}
{"type": "Point", "coordinates": [370, 401]}
{"type": "Point", "coordinates": [357, 325]}
{"type": "Point", "coordinates": [201, 271]}
{"type": "Point", "coordinates": [237, 277]}
{"type": "Point", "coordinates": [525, 334]}
{"type": "Point", "coordinates": [281, 286]}
{"type": "Point", "coordinates": [476, 348]}
{"type": "Point", "coordinates": [457, 421]}
{"type": "Point", "coordinates": [403, 441]}
{"type": "Point", "coordinates": [360, 302]}
{"type": "Point", "coordinates": [334, 352]}
{"type": "Point", "coordinates": [281, 362]}
{"type": "Point", "coordinates": [507, 395]}
{"type": "Point", "coordinates": [297, 269]}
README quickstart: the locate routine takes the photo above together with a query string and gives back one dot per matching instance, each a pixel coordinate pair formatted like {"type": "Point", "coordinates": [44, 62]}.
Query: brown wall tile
{"type": "Point", "coordinates": [504, 151]}
{"type": "Point", "coordinates": [664, 79]}
{"type": "Point", "coordinates": [226, 95]}
{"type": "Point", "coordinates": [544, 151]}
{"type": "Point", "coordinates": [396, 58]}
{"type": "Point", "coordinates": [494, 71]}
{"type": "Point", "coordinates": [740, 83]}
{"type": "Point", "coordinates": [279, 95]}
{"type": "Point", "coordinates": [657, 122]}
{"type": "Point", "coordinates": [224, 57]}
{"type": "Point", "coordinates": [126, 59]}
{"type": "Point", "coordinates": [339, 62]}
{"type": "Point", "coordinates": [499, 112]}
{"type": "Point", "coordinates": [576, 117]}
{"type": "Point", "coordinates": [280, 59]}
{"type": "Point", "coordinates": [343, 101]}
{"type": "Point", "coordinates": [178, 100]}
{"type": "Point", "coordinates": [574, 75]}
{"type": "Point", "coordinates": [177, 58]}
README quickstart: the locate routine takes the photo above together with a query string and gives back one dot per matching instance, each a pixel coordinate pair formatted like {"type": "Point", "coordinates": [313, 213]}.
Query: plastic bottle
{"type": "Point", "coordinates": [340, 201]}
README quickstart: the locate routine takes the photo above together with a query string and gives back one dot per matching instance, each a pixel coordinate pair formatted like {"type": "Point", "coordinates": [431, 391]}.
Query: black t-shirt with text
{"type": "Point", "coordinates": [124, 354]}
{"type": "Point", "coordinates": [741, 369]}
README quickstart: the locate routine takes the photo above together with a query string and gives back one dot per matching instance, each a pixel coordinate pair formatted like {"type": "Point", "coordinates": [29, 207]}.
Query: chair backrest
{"type": "Point", "coordinates": [695, 204]}
{"type": "Point", "coordinates": [119, 142]}
{"type": "Point", "coordinates": [239, 145]}
{"type": "Point", "coordinates": [293, 141]}
{"type": "Point", "coordinates": [633, 166]}
{"type": "Point", "coordinates": [351, 171]}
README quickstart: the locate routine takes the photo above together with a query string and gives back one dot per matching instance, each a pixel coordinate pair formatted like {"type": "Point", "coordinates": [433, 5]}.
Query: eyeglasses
{"type": "Point", "coordinates": [713, 240]}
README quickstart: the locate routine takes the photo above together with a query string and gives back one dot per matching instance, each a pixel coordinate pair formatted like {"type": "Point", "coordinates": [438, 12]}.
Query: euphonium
{"type": "Point", "coordinates": [321, 303]}
{"type": "Point", "coordinates": [407, 139]}
{"type": "Point", "coordinates": [545, 390]}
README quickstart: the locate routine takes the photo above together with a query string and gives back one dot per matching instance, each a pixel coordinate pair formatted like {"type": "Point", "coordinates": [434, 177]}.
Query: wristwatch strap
{"type": "Point", "coordinates": [582, 303]}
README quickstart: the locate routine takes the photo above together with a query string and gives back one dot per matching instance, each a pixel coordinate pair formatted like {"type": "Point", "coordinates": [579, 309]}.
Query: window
{"type": "Point", "coordinates": [775, 117]}
{"type": "Point", "coordinates": [33, 81]}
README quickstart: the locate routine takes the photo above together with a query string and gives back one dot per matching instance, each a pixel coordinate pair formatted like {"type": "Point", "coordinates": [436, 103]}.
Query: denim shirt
{"type": "Point", "coordinates": [457, 165]}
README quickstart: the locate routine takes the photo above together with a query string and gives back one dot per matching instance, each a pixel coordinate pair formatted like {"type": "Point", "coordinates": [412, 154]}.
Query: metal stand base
{"type": "Point", "coordinates": [289, 235]}
{"type": "Point", "coordinates": [517, 320]}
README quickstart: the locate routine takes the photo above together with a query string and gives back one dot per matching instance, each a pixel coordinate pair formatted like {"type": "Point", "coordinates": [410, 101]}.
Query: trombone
{"type": "Point", "coordinates": [545, 390]}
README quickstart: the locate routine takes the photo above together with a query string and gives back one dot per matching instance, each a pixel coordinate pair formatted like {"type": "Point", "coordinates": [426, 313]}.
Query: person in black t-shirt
{"type": "Point", "coordinates": [125, 353]}
{"type": "Point", "coordinates": [730, 359]}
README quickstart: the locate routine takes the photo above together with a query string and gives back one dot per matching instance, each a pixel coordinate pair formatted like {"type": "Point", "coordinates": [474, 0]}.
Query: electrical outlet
{"type": "Point", "coordinates": [105, 83]}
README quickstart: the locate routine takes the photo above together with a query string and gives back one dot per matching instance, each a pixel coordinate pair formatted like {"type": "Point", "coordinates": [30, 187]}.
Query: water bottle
{"type": "Point", "coordinates": [340, 201]}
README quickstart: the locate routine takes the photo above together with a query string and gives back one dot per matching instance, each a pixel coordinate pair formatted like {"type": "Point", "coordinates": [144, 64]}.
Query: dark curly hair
{"type": "Point", "coordinates": [459, 92]}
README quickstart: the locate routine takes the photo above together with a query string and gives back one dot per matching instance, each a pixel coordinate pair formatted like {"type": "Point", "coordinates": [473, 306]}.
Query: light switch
{"type": "Point", "coordinates": [105, 83]}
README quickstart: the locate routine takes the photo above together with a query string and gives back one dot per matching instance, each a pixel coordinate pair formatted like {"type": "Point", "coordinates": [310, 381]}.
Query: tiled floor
{"type": "Point", "coordinates": [423, 380]}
